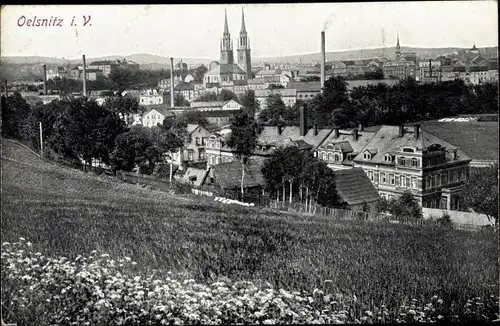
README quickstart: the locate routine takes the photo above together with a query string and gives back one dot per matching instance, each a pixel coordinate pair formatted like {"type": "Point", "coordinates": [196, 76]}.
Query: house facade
{"type": "Point", "coordinates": [156, 116]}
{"type": "Point", "coordinates": [194, 145]}
{"type": "Point", "coordinates": [399, 159]}
{"type": "Point", "coordinates": [289, 96]}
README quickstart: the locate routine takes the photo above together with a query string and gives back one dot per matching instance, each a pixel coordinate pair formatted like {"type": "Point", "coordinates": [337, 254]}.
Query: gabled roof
{"type": "Point", "coordinates": [281, 91]}
{"type": "Point", "coordinates": [207, 104]}
{"type": "Point", "coordinates": [354, 187]}
{"type": "Point", "coordinates": [228, 175]}
{"type": "Point", "coordinates": [387, 140]}
{"type": "Point", "coordinates": [269, 135]}
{"type": "Point", "coordinates": [164, 112]}
{"type": "Point", "coordinates": [199, 174]}
{"type": "Point", "coordinates": [305, 86]}
{"type": "Point", "coordinates": [347, 135]}
{"type": "Point", "coordinates": [224, 69]}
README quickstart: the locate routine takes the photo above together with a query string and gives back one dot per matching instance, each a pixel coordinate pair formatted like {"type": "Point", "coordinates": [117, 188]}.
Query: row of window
{"type": "Point", "coordinates": [395, 180]}
{"type": "Point", "coordinates": [214, 160]}
{"type": "Point", "coordinates": [201, 141]}
{"type": "Point", "coordinates": [445, 177]}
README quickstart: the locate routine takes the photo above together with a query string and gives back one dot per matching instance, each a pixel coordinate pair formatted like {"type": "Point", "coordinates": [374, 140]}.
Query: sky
{"type": "Point", "coordinates": [194, 31]}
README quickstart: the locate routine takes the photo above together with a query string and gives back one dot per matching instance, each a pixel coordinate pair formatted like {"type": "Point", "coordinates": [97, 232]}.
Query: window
{"type": "Point", "coordinates": [204, 141]}
{"type": "Point", "coordinates": [414, 183]}
{"type": "Point", "coordinates": [367, 156]}
{"type": "Point", "coordinates": [370, 175]}
{"type": "Point", "coordinates": [190, 155]}
{"type": "Point", "coordinates": [402, 161]}
{"type": "Point", "coordinates": [198, 141]}
{"type": "Point", "coordinates": [391, 179]}
{"type": "Point", "coordinates": [382, 177]}
{"type": "Point", "coordinates": [414, 162]}
{"type": "Point", "coordinates": [330, 157]}
{"type": "Point", "coordinates": [444, 178]}
{"type": "Point", "coordinates": [438, 179]}
{"type": "Point", "coordinates": [455, 175]}
{"type": "Point", "coordinates": [403, 181]}
{"type": "Point", "coordinates": [387, 158]}
{"type": "Point", "coordinates": [450, 176]}
{"type": "Point", "coordinates": [323, 156]}
{"type": "Point", "coordinates": [337, 157]}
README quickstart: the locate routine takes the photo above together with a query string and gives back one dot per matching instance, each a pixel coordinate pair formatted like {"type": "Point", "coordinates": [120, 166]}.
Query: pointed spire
{"type": "Point", "coordinates": [398, 40]}
{"type": "Point", "coordinates": [243, 28]}
{"type": "Point", "coordinates": [226, 28]}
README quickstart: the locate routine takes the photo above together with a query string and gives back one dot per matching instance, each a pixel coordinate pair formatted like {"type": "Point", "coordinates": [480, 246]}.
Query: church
{"type": "Point", "coordinates": [227, 71]}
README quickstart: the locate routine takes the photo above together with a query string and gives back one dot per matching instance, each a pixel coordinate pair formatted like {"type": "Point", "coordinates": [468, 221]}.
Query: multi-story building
{"type": "Point", "coordinates": [289, 96]}
{"type": "Point", "coordinates": [194, 145]}
{"type": "Point", "coordinates": [402, 67]}
{"type": "Point", "coordinates": [59, 72]}
{"type": "Point", "coordinates": [399, 159]}
{"type": "Point", "coordinates": [305, 90]}
{"type": "Point", "coordinates": [155, 116]}
{"type": "Point", "coordinates": [151, 97]}
{"type": "Point", "coordinates": [230, 105]}
{"type": "Point", "coordinates": [478, 75]}
{"type": "Point", "coordinates": [429, 71]}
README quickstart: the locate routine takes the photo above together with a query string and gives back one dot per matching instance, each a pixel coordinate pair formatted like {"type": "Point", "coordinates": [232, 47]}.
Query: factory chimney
{"type": "Point", "coordinates": [84, 77]}
{"type": "Point", "coordinates": [172, 82]}
{"type": "Point", "coordinates": [44, 79]}
{"type": "Point", "coordinates": [323, 59]}
{"type": "Point", "coordinates": [303, 120]}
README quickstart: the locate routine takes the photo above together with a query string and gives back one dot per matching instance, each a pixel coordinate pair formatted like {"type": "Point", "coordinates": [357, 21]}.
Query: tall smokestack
{"type": "Point", "coordinates": [323, 58]}
{"type": "Point", "coordinates": [303, 120]}
{"type": "Point", "coordinates": [172, 82]}
{"type": "Point", "coordinates": [430, 68]}
{"type": "Point", "coordinates": [84, 77]}
{"type": "Point", "coordinates": [44, 79]}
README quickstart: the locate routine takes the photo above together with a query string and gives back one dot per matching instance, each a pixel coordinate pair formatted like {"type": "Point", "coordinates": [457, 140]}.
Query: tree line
{"type": "Point", "coordinates": [79, 130]}
{"type": "Point", "coordinates": [382, 104]}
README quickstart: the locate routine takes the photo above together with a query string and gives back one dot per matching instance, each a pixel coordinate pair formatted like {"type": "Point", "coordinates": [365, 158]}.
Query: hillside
{"type": "Point", "coordinates": [67, 212]}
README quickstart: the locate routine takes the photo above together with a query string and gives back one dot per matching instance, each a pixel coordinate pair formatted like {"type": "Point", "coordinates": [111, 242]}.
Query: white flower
{"type": "Point", "coordinates": [22, 239]}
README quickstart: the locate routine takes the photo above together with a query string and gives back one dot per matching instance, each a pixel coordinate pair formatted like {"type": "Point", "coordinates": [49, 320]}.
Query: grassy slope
{"type": "Point", "coordinates": [67, 212]}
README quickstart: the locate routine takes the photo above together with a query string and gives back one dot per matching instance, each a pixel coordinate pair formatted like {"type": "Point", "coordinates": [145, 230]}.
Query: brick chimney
{"type": "Point", "coordinates": [315, 130]}
{"type": "Point", "coordinates": [44, 79]}
{"type": "Point", "coordinates": [417, 131]}
{"type": "Point", "coordinates": [303, 120]}
{"type": "Point", "coordinates": [401, 130]}
{"type": "Point", "coordinates": [355, 135]}
{"type": "Point", "coordinates": [323, 59]}
{"type": "Point", "coordinates": [336, 132]}
{"type": "Point", "coordinates": [280, 129]}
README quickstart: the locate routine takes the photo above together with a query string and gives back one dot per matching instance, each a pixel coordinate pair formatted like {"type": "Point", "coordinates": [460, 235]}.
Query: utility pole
{"type": "Point", "coordinates": [41, 139]}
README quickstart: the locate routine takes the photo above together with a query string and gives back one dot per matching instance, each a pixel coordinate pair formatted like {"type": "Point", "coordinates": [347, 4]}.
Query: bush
{"type": "Point", "coordinates": [100, 290]}
{"type": "Point", "coordinates": [162, 170]}
{"type": "Point", "coordinates": [445, 221]}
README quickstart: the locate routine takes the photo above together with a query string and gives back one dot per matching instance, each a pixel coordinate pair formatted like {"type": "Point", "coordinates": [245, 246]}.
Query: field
{"type": "Point", "coordinates": [67, 212]}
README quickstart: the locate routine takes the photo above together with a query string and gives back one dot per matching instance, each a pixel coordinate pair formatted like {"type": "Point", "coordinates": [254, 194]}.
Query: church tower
{"type": "Point", "coordinates": [226, 46]}
{"type": "Point", "coordinates": [398, 49]}
{"type": "Point", "coordinates": [244, 57]}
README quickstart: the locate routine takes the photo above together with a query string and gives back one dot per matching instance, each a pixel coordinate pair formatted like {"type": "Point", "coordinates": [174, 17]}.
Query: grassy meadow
{"type": "Point", "coordinates": [67, 212]}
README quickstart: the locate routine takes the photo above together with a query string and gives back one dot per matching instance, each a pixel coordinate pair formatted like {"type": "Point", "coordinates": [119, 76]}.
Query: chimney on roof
{"type": "Point", "coordinates": [356, 135]}
{"type": "Point", "coordinates": [315, 130]}
{"type": "Point", "coordinates": [303, 120]}
{"type": "Point", "coordinates": [417, 131]}
{"type": "Point", "coordinates": [336, 132]}
{"type": "Point", "coordinates": [401, 130]}
{"type": "Point", "coordinates": [361, 127]}
{"type": "Point", "coordinates": [44, 79]}
{"type": "Point", "coordinates": [280, 129]}
{"type": "Point", "coordinates": [84, 77]}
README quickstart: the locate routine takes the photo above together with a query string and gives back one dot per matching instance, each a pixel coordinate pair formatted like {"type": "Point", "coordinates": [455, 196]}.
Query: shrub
{"type": "Point", "coordinates": [100, 290]}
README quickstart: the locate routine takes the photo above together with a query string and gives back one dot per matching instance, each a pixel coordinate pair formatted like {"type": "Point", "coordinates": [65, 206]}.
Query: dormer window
{"type": "Point", "coordinates": [388, 158]}
{"type": "Point", "coordinates": [414, 162]}
{"type": "Point", "coordinates": [408, 150]}
{"type": "Point", "coordinates": [367, 156]}
{"type": "Point", "coordinates": [402, 161]}
{"type": "Point", "coordinates": [337, 157]}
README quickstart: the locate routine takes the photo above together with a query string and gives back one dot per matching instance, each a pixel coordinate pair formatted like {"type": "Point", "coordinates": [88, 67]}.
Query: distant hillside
{"type": "Point", "coordinates": [24, 68]}
{"type": "Point", "coordinates": [423, 53]}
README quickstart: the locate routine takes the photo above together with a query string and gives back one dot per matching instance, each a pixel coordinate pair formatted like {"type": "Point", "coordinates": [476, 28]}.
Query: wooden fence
{"type": "Point", "coordinates": [336, 213]}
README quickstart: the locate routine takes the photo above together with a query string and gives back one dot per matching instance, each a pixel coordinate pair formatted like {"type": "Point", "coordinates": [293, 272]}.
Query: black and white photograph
{"type": "Point", "coordinates": [249, 163]}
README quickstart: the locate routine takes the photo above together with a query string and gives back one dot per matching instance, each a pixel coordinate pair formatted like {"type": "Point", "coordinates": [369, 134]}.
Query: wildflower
{"type": "Point", "coordinates": [22, 239]}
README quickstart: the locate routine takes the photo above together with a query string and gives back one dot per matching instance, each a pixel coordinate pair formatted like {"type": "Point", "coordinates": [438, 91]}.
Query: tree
{"type": "Point", "coordinates": [310, 79]}
{"type": "Point", "coordinates": [14, 111]}
{"type": "Point", "coordinates": [243, 139]}
{"type": "Point", "coordinates": [125, 106]}
{"type": "Point", "coordinates": [195, 117]}
{"type": "Point", "coordinates": [208, 97]}
{"type": "Point", "coordinates": [276, 86]}
{"type": "Point", "coordinates": [273, 114]}
{"type": "Point", "coordinates": [481, 192]}
{"type": "Point", "coordinates": [179, 100]}
{"type": "Point", "coordinates": [405, 206]}
{"type": "Point", "coordinates": [250, 105]}
{"type": "Point", "coordinates": [226, 95]}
